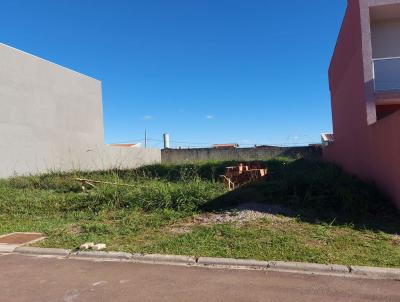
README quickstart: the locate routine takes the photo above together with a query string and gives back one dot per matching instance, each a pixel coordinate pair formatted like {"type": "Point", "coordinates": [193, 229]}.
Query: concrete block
{"type": "Point", "coordinates": [376, 272]}
{"type": "Point", "coordinates": [41, 251]}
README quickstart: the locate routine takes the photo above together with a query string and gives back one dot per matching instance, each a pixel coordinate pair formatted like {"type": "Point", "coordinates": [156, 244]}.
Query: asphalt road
{"type": "Point", "coordinates": [33, 279]}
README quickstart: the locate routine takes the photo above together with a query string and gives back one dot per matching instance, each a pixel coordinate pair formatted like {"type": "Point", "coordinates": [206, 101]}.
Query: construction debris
{"type": "Point", "coordinates": [243, 174]}
{"type": "Point", "coordinates": [99, 247]}
{"type": "Point", "coordinates": [92, 246]}
{"type": "Point", "coordinates": [90, 182]}
{"type": "Point", "coordinates": [86, 246]}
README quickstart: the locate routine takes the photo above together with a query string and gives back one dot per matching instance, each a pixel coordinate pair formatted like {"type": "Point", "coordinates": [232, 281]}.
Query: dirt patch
{"type": "Point", "coordinates": [74, 229]}
{"type": "Point", "coordinates": [396, 240]}
{"type": "Point", "coordinates": [239, 214]}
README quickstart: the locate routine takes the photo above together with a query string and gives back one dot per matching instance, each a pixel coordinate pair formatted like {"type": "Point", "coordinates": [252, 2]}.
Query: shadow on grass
{"type": "Point", "coordinates": [316, 192]}
{"type": "Point", "coordinates": [308, 189]}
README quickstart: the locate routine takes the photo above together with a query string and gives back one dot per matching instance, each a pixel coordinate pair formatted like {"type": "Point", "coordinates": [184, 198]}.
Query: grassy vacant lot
{"type": "Point", "coordinates": [327, 215]}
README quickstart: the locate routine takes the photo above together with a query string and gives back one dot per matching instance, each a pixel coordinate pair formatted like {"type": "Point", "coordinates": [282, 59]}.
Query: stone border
{"type": "Point", "coordinates": [280, 266]}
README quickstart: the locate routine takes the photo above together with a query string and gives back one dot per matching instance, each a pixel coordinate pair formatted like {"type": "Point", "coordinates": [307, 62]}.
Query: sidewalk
{"type": "Point", "coordinates": [34, 279]}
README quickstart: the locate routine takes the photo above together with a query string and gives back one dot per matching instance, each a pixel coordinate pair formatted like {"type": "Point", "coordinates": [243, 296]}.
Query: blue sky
{"type": "Point", "coordinates": [206, 71]}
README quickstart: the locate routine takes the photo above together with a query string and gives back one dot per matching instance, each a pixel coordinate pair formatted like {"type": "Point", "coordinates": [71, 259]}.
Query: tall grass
{"type": "Point", "coordinates": [312, 189]}
{"type": "Point", "coordinates": [141, 188]}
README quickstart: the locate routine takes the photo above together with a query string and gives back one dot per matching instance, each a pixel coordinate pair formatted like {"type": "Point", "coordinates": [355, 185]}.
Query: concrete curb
{"type": "Point", "coordinates": [8, 248]}
{"type": "Point", "coordinates": [296, 267]}
{"type": "Point", "coordinates": [101, 255]}
{"type": "Point", "coordinates": [207, 261]}
{"type": "Point", "coordinates": [275, 265]}
{"type": "Point", "coordinates": [301, 267]}
{"type": "Point", "coordinates": [41, 251]}
{"type": "Point", "coordinates": [309, 267]}
{"type": "Point", "coordinates": [378, 272]}
{"type": "Point", "coordinates": [169, 259]}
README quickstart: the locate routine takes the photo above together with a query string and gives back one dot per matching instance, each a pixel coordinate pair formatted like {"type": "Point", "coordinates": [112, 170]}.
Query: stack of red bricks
{"type": "Point", "coordinates": [243, 174]}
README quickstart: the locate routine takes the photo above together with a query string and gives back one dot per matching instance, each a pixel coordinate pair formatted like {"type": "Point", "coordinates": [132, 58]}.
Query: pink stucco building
{"type": "Point", "coordinates": [364, 79]}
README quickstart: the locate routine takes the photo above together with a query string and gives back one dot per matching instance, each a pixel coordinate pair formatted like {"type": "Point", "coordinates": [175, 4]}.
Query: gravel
{"type": "Point", "coordinates": [239, 214]}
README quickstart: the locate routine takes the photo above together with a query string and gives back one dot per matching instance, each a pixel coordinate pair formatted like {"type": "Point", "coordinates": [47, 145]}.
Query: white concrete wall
{"type": "Point", "coordinates": [385, 35]}
{"type": "Point", "coordinates": [51, 119]}
{"type": "Point", "coordinates": [78, 158]}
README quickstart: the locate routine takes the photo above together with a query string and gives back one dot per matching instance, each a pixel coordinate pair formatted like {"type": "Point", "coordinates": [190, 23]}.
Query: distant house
{"type": "Point", "coordinates": [264, 146]}
{"type": "Point", "coordinates": [225, 146]}
{"type": "Point", "coordinates": [326, 139]}
{"type": "Point", "coordinates": [364, 78]}
{"type": "Point", "coordinates": [137, 145]}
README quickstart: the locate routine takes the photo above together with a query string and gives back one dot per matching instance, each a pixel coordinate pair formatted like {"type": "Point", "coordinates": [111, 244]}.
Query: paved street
{"type": "Point", "coordinates": [34, 279]}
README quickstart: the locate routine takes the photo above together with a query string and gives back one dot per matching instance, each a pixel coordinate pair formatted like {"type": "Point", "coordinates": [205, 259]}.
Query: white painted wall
{"type": "Point", "coordinates": [51, 119]}
{"type": "Point", "coordinates": [385, 35]}
{"type": "Point", "coordinates": [42, 160]}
